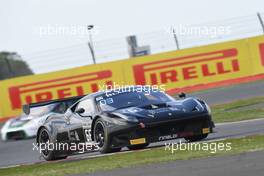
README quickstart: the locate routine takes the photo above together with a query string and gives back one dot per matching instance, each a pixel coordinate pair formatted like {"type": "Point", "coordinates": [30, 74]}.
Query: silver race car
{"type": "Point", "coordinates": [27, 124]}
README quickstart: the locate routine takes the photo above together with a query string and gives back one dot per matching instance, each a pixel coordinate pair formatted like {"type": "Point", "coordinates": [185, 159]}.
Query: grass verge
{"type": "Point", "coordinates": [123, 160]}
{"type": "Point", "coordinates": [239, 110]}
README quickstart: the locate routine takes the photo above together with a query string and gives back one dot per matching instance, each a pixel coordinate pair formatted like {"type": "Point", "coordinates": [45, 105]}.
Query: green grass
{"type": "Point", "coordinates": [239, 110]}
{"type": "Point", "coordinates": [123, 160]}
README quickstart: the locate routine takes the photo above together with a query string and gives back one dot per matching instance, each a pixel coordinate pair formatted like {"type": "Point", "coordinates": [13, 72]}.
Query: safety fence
{"type": "Point", "coordinates": [160, 40]}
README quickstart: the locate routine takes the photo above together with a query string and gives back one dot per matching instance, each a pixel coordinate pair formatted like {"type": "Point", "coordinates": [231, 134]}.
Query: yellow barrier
{"type": "Point", "coordinates": [256, 50]}
{"type": "Point", "coordinates": [192, 68]}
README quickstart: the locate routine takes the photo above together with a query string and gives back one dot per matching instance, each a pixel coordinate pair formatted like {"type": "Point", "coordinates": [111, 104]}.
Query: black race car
{"type": "Point", "coordinates": [112, 119]}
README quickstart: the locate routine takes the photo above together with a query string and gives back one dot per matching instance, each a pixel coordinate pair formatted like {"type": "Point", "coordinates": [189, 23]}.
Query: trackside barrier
{"type": "Point", "coordinates": [188, 69]}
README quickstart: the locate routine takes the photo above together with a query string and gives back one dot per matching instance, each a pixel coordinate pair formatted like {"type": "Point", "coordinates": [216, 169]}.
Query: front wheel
{"type": "Point", "coordinates": [101, 137]}
{"type": "Point", "coordinates": [196, 138]}
{"type": "Point", "coordinates": [45, 145]}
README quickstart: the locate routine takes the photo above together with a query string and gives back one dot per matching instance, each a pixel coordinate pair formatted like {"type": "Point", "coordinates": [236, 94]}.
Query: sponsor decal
{"type": "Point", "coordinates": [187, 67]}
{"type": "Point", "coordinates": [138, 141]}
{"type": "Point", "coordinates": [206, 130]}
{"type": "Point", "coordinates": [88, 135]}
{"type": "Point", "coordinates": [168, 137]}
{"type": "Point", "coordinates": [57, 88]}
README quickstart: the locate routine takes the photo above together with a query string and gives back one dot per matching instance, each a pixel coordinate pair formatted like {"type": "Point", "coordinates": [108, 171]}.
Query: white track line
{"type": "Point", "coordinates": [239, 122]}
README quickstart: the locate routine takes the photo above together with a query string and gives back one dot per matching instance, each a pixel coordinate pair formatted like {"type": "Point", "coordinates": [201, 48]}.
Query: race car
{"type": "Point", "coordinates": [114, 119]}
{"type": "Point", "coordinates": [27, 124]}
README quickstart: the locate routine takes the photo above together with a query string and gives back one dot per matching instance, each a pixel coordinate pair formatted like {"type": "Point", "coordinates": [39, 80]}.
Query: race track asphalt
{"type": "Point", "coordinates": [20, 152]}
{"type": "Point", "coordinates": [245, 164]}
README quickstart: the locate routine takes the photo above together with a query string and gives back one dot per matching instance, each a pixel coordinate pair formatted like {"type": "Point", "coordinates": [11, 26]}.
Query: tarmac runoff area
{"type": "Point", "coordinates": [245, 164]}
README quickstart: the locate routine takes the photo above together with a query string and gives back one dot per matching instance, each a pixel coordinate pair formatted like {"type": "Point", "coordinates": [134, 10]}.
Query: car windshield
{"type": "Point", "coordinates": [57, 107]}
{"type": "Point", "coordinates": [42, 110]}
{"type": "Point", "coordinates": [130, 99]}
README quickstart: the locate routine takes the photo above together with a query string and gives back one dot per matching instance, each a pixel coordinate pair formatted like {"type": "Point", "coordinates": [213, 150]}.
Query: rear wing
{"type": "Point", "coordinates": [26, 108]}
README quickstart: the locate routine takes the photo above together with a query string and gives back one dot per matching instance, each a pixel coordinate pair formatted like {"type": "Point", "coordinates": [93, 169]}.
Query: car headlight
{"type": "Point", "coordinates": [130, 118]}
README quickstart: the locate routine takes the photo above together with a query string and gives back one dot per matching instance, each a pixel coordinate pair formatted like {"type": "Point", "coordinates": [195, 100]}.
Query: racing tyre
{"type": "Point", "coordinates": [196, 138]}
{"type": "Point", "coordinates": [101, 137]}
{"type": "Point", "coordinates": [44, 138]}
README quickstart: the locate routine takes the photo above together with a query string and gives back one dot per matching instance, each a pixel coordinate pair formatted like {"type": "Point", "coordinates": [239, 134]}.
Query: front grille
{"type": "Point", "coordinates": [174, 127]}
{"type": "Point", "coordinates": [179, 120]}
{"type": "Point", "coordinates": [16, 135]}
{"type": "Point", "coordinates": [154, 130]}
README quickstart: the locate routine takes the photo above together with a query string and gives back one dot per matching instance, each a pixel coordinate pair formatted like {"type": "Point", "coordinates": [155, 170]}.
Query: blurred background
{"type": "Point", "coordinates": [46, 36]}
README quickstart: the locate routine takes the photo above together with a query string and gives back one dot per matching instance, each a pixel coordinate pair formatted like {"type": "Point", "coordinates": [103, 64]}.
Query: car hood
{"type": "Point", "coordinates": [173, 109]}
{"type": "Point", "coordinates": [25, 120]}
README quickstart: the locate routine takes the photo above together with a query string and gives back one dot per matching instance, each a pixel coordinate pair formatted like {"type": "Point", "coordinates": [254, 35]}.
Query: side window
{"type": "Point", "coordinates": [87, 105]}
{"type": "Point", "coordinates": [61, 108]}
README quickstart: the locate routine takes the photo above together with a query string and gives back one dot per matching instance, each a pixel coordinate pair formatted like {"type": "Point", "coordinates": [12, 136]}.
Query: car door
{"type": "Point", "coordinates": [81, 122]}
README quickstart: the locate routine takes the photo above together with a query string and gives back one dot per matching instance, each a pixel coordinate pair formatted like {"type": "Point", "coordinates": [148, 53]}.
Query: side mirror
{"type": "Point", "coordinates": [182, 95]}
{"type": "Point", "coordinates": [26, 109]}
{"type": "Point", "coordinates": [80, 111]}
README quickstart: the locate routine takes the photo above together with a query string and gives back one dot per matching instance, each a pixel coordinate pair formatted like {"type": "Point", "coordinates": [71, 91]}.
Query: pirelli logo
{"type": "Point", "coordinates": [187, 67]}
{"type": "Point", "coordinates": [58, 88]}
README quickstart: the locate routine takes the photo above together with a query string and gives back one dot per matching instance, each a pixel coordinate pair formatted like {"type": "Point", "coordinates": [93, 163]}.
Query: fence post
{"type": "Point", "coordinates": [261, 21]}
{"type": "Point", "coordinates": [175, 38]}
{"type": "Point", "coordinates": [90, 43]}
